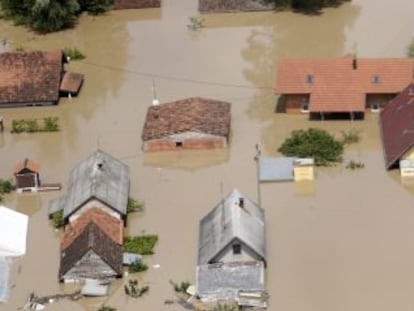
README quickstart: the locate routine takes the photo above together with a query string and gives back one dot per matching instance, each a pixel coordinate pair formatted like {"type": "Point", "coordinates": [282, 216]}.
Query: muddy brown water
{"type": "Point", "coordinates": [344, 242]}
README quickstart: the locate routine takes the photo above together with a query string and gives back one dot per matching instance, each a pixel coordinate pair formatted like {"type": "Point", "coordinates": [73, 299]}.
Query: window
{"type": "Point", "coordinates": [178, 143]}
{"type": "Point", "coordinates": [376, 79]}
{"type": "Point", "coordinates": [375, 107]}
{"type": "Point", "coordinates": [236, 249]}
{"type": "Point", "coordinates": [304, 106]}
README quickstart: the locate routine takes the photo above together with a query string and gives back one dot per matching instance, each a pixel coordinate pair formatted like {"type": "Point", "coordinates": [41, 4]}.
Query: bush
{"type": "Point", "coordinates": [106, 308]}
{"type": "Point", "coordinates": [143, 244]}
{"type": "Point", "coordinates": [351, 137]}
{"type": "Point", "coordinates": [132, 289]}
{"type": "Point", "coordinates": [57, 219]}
{"type": "Point", "coordinates": [6, 186]}
{"type": "Point", "coordinates": [180, 287]}
{"type": "Point", "coordinates": [134, 205]}
{"type": "Point", "coordinates": [74, 53]}
{"type": "Point", "coordinates": [314, 143]}
{"type": "Point", "coordinates": [137, 266]}
{"type": "Point", "coordinates": [95, 7]}
{"type": "Point", "coordinates": [18, 126]}
{"type": "Point", "coordinates": [353, 165]}
{"type": "Point", "coordinates": [226, 307]}
{"type": "Point", "coordinates": [32, 126]}
{"type": "Point", "coordinates": [51, 124]}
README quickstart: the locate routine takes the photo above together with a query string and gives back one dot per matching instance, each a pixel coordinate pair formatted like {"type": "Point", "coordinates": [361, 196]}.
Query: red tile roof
{"type": "Point", "coordinates": [30, 76]}
{"type": "Point", "coordinates": [71, 82]}
{"type": "Point", "coordinates": [136, 4]}
{"type": "Point", "coordinates": [192, 114]}
{"type": "Point", "coordinates": [335, 86]}
{"type": "Point", "coordinates": [397, 126]}
{"type": "Point", "coordinates": [111, 226]}
{"type": "Point", "coordinates": [26, 163]}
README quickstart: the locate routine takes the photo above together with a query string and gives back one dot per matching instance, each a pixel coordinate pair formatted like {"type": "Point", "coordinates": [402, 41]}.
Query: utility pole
{"type": "Point", "coordinates": [257, 160]}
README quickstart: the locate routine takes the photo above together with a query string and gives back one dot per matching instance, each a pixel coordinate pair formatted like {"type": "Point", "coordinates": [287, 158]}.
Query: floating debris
{"type": "Point", "coordinates": [196, 23]}
{"type": "Point", "coordinates": [39, 303]}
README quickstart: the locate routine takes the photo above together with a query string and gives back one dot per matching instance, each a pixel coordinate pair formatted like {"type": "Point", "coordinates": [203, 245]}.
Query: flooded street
{"type": "Point", "coordinates": [348, 244]}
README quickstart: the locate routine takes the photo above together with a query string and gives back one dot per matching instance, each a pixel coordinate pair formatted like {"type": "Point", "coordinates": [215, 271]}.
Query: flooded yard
{"type": "Point", "coordinates": [347, 243]}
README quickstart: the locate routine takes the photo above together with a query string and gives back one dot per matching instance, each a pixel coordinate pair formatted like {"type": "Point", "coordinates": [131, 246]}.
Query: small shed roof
{"type": "Point", "coordinates": [13, 232]}
{"type": "Point", "coordinates": [276, 169]}
{"type": "Point", "coordinates": [227, 281]}
{"type": "Point", "coordinates": [71, 82]}
{"type": "Point", "coordinates": [229, 220]}
{"type": "Point", "coordinates": [22, 76]}
{"type": "Point", "coordinates": [101, 177]}
{"type": "Point", "coordinates": [113, 227]}
{"type": "Point", "coordinates": [397, 126]}
{"type": "Point", "coordinates": [194, 114]}
{"type": "Point", "coordinates": [92, 238]}
{"type": "Point", "coordinates": [27, 164]}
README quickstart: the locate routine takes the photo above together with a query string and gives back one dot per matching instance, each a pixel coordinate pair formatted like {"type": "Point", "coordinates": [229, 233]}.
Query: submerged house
{"type": "Point", "coordinates": [100, 181]}
{"type": "Point", "coordinates": [93, 254]}
{"type": "Point", "coordinates": [35, 78]}
{"type": "Point", "coordinates": [397, 131]}
{"type": "Point", "coordinates": [192, 123]}
{"type": "Point", "coordinates": [335, 86]}
{"type": "Point", "coordinates": [26, 174]}
{"type": "Point", "coordinates": [136, 4]}
{"type": "Point", "coordinates": [232, 252]}
{"type": "Point", "coordinates": [222, 6]}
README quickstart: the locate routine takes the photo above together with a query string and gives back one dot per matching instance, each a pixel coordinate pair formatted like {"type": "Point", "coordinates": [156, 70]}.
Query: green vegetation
{"type": "Point", "coordinates": [6, 186]}
{"type": "Point", "coordinates": [57, 219]}
{"type": "Point", "coordinates": [132, 289]}
{"type": "Point", "coordinates": [410, 49]}
{"type": "Point", "coordinates": [74, 53]}
{"type": "Point", "coordinates": [134, 205]}
{"type": "Point", "coordinates": [314, 143]}
{"type": "Point", "coordinates": [180, 287]}
{"type": "Point", "coordinates": [226, 307]}
{"type": "Point", "coordinates": [353, 165]}
{"type": "Point", "coordinates": [49, 124]}
{"type": "Point", "coordinates": [106, 308]}
{"type": "Point", "coordinates": [307, 6]}
{"type": "Point", "coordinates": [50, 15]}
{"type": "Point", "coordinates": [137, 266]}
{"type": "Point", "coordinates": [351, 137]}
{"type": "Point", "coordinates": [143, 244]}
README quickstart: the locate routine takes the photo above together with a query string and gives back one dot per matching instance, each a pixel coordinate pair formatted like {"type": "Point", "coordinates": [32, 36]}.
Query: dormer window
{"type": "Point", "coordinates": [309, 79]}
{"type": "Point", "coordinates": [236, 249]}
{"type": "Point", "coordinates": [376, 79]}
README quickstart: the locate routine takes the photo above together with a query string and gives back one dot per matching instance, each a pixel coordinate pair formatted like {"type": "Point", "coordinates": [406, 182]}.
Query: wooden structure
{"type": "Point", "coordinates": [34, 78]}
{"type": "Point", "coordinates": [26, 174]}
{"type": "Point", "coordinates": [335, 86]}
{"type": "Point", "coordinates": [192, 123]}
{"type": "Point", "coordinates": [303, 169]}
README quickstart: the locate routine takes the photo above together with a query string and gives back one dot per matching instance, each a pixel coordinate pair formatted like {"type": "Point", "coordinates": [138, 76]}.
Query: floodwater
{"type": "Point", "coordinates": [345, 242]}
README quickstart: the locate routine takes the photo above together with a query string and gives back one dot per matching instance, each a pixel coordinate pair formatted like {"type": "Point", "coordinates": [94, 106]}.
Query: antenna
{"type": "Point", "coordinates": [155, 100]}
{"type": "Point", "coordinates": [98, 142]}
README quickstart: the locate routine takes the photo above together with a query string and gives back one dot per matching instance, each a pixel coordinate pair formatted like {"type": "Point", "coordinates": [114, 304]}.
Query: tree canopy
{"type": "Point", "coordinates": [313, 143]}
{"type": "Point", "coordinates": [307, 5]}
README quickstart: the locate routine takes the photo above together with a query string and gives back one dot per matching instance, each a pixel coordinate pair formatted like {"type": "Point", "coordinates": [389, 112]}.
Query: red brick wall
{"type": "Point", "coordinates": [294, 102]}
{"type": "Point", "coordinates": [189, 144]}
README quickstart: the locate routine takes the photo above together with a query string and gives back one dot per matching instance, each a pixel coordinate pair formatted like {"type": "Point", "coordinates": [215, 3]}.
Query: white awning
{"type": "Point", "coordinates": [13, 232]}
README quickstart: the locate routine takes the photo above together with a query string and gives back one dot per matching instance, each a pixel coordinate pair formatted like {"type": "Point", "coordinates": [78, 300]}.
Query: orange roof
{"type": "Point", "coordinates": [111, 226]}
{"type": "Point", "coordinates": [334, 84]}
{"type": "Point", "coordinates": [71, 82]}
{"type": "Point", "coordinates": [26, 163]}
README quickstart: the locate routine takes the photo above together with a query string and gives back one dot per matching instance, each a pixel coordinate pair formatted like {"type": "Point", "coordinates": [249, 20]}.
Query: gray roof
{"type": "Point", "coordinates": [100, 176]}
{"type": "Point", "coordinates": [228, 221]}
{"type": "Point", "coordinates": [276, 169]}
{"type": "Point", "coordinates": [228, 281]}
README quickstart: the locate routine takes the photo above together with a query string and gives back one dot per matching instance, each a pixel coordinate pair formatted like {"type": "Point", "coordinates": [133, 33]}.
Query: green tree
{"type": "Point", "coordinates": [314, 143]}
{"type": "Point", "coordinates": [95, 7]}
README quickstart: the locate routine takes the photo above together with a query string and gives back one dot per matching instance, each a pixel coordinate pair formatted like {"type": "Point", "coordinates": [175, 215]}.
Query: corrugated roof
{"type": "Point", "coordinates": [192, 114]}
{"type": "Point", "coordinates": [335, 86]}
{"type": "Point", "coordinates": [30, 76]}
{"type": "Point", "coordinates": [101, 177]}
{"type": "Point", "coordinates": [228, 221]}
{"type": "Point", "coordinates": [397, 126]}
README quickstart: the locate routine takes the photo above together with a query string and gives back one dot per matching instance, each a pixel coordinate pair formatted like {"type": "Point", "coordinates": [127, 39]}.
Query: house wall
{"type": "Point", "coordinates": [293, 103]}
{"type": "Point", "coordinates": [301, 173]}
{"type": "Point", "coordinates": [94, 204]}
{"type": "Point", "coordinates": [189, 140]}
{"type": "Point", "coordinates": [226, 255]}
{"type": "Point", "coordinates": [27, 104]}
{"type": "Point", "coordinates": [28, 180]}
{"type": "Point", "coordinates": [380, 99]}
{"type": "Point", "coordinates": [89, 266]}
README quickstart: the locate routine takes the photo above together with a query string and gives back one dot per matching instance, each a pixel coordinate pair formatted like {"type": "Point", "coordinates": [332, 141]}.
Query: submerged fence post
{"type": "Point", "coordinates": [1, 124]}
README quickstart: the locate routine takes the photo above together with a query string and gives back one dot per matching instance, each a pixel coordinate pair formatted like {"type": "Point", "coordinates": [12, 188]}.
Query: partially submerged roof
{"type": "Point", "coordinates": [136, 4]}
{"type": "Point", "coordinates": [27, 164]}
{"type": "Point", "coordinates": [227, 221]}
{"type": "Point", "coordinates": [276, 169]}
{"type": "Point", "coordinates": [340, 84]}
{"type": "Point", "coordinates": [30, 76]}
{"type": "Point", "coordinates": [228, 281]}
{"type": "Point", "coordinates": [101, 177]}
{"type": "Point", "coordinates": [194, 114]}
{"type": "Point", "coordinates": [397, 126]}
{"type": "Point", "coordinates": [13, 232]}
{"type": "Point", "coordinates": [71, 82]}
{"type": "Point", "coordinates": [92, 238]}
{"type": "Point", "coordinates": [113, 227]}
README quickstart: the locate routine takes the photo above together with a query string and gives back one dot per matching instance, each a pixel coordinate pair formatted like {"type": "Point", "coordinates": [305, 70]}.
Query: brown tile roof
{"type": "Point", "coordinates": [94, 239]}
{"type": "Point", "coordinates": [192, 114]}
{"type": "Point", "coordinates": [71, 82]}
{"type": "Point", "coordinates": [136, 4]}
{"type": "Point", "coordinates": [30, 76]}
{"type": "Point", "coordinates": [335, 86]}
{"type": "Point", "coordinates": [397, 126]}
{"type": "Point", "coordinates": [113, 227]}
{"type": "Point", "coordinates": [26, 163]}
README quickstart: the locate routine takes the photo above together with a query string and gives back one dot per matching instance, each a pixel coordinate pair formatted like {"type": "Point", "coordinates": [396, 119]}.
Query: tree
{"type": "Point", "coordinates": [314, 143]}
{"type": "Point", "coordinates": [95, 7]}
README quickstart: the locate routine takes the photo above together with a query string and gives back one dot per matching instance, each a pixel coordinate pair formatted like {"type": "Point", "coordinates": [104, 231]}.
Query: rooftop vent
{"type": "Point", "coordinates": [354, 63]}
{"type": "Point", "coordinates": [241, 202]}
{"type": "Point", "coordinates": [309, 79]}
{"type": "Point", "coordinates": [376, 79]}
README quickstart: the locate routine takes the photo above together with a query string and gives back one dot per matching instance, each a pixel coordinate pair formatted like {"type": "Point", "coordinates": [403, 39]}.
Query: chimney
{"type": "Point", "coordinates": [354, 62]}
{"type": "Point", "coordinates": [241, 202]}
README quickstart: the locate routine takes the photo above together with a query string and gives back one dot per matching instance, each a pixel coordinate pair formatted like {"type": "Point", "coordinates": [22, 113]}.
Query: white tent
{"type": "Point", "coordinates": [13, 232]}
